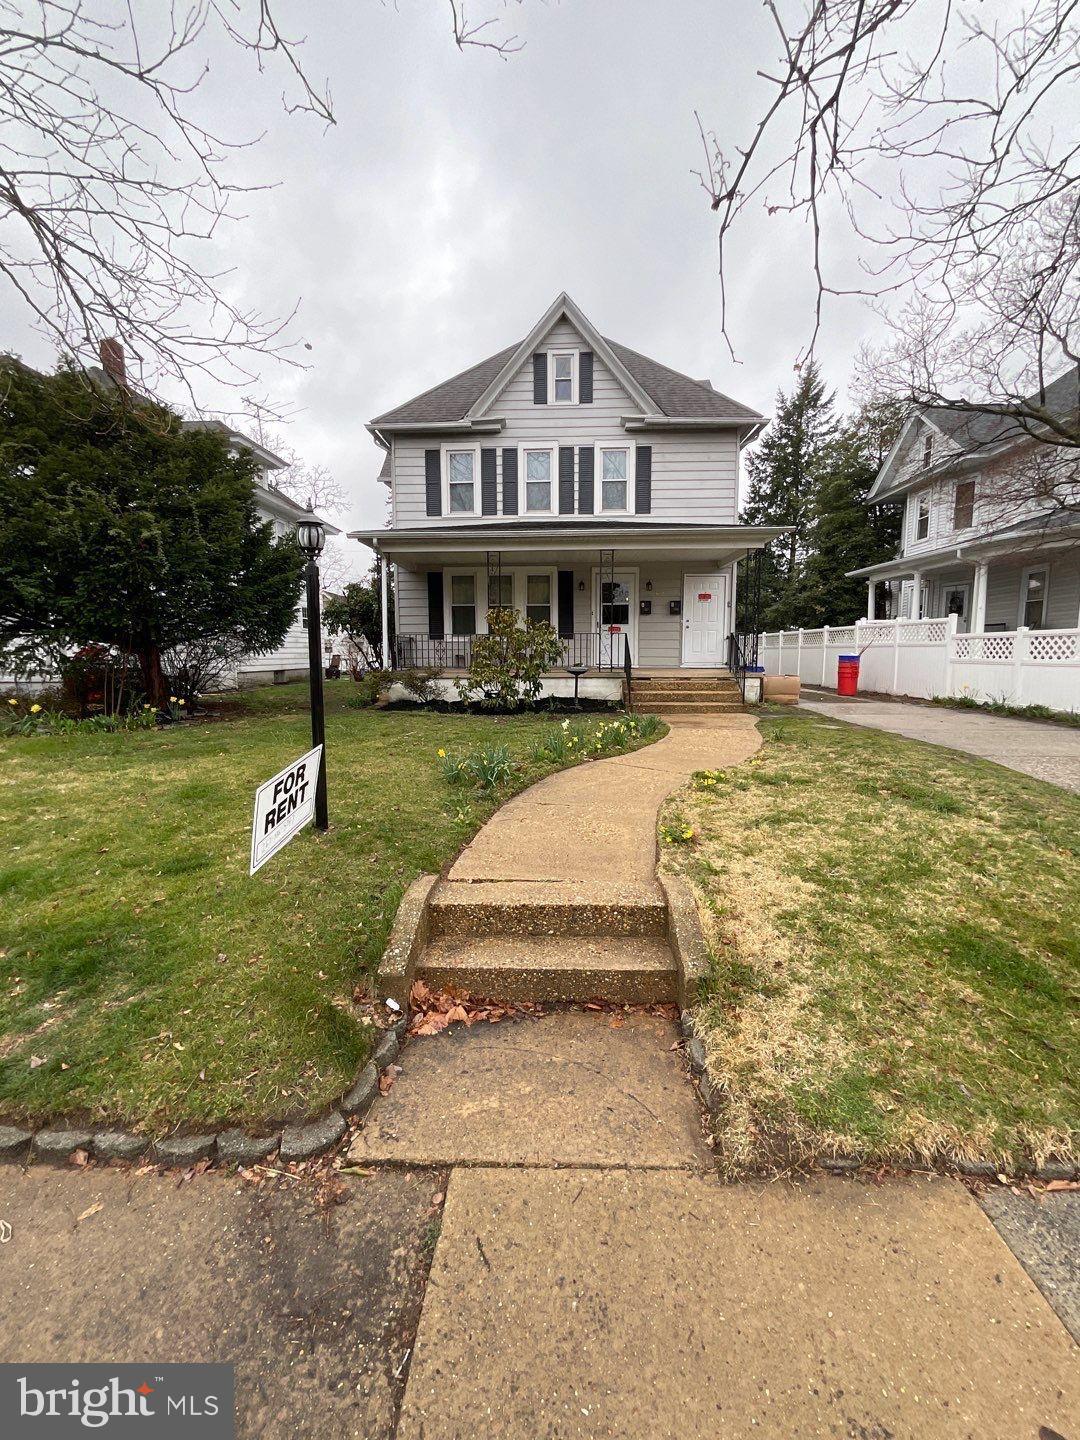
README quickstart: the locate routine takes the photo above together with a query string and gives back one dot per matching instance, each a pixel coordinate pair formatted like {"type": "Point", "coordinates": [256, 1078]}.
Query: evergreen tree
{"type": "Point", "coordinates": [843, 532]}
{"type": "Point", "coordinates": [784, 472]}
{"type": "Point", "coordinates": [117, 526]}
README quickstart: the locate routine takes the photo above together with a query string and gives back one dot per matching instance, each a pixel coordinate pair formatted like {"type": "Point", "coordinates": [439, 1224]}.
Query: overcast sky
{"type": "Point", "coordinates": [458, 193]}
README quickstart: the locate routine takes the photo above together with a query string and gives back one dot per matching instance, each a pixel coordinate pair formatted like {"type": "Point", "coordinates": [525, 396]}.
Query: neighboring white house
{"type": "Point", "coordinates": [977, 541]}
{"type": "Point", "coordinates": [290, 660]}
{"type": "Point", "coordinates": [579, 482]}
{"type": "Point", "coordinates": [984, 598]}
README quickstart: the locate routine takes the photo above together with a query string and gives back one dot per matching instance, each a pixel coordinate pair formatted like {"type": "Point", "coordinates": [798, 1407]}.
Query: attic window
{"type": "Point", "coordinates": [563, 379]}
{"type": "Point", "coordinates": [927, 451]}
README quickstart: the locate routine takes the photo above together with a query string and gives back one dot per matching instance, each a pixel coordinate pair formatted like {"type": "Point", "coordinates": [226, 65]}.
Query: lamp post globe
{"type": "Point", "coordinates": [311, 537]}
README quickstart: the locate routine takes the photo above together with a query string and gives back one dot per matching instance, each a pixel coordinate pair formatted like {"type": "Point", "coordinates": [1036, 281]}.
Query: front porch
{"type": "Point", "coordinates": [647, 598]}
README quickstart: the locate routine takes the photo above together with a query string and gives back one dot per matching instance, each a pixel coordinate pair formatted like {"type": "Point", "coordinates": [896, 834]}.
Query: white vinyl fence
{"type": "Point", "coordinates": [924, 658]}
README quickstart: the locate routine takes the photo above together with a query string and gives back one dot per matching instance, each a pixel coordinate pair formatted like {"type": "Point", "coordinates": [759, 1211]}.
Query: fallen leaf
{"type": "Point", "coordinates": [36, 1060]}
{"type": "Point", "coordinates": [438, 1198]}
{"type": "Point", "coordinates": [80, 1158]}
{"type": "Point", "coordinates": [91, 1210]}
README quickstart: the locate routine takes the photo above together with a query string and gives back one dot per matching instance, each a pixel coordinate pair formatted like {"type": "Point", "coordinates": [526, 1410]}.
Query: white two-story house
{"type": "Point", "coordinates": [991, 529]}
{"type": "Point", "coordinates": [579, 482]}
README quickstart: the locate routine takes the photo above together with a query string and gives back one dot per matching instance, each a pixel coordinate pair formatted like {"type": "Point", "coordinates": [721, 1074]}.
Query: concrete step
{"type": "Point", "coordinates": [694, 696]}
{"type": "Point", "coordinates": [688, 707]}
{"type": "Point", "coordinates": [676, 682]}
{"type": "Point", "coordinates": [549, 907]}
{"type": "Point", "coordinates": [636, 970]}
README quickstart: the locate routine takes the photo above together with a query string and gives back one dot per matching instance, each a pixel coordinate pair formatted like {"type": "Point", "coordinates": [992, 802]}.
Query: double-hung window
{"type": "Point", "coordinates": [964, 505]}
{"type": "Point", "coordinates": [538, 468]}
{"type": "Point", "coordinates": [613, 463]}
{"type": "Point", "coordinates": [562, 379]}
{"type": "Point", "coordinates": [538, 598]}
{"type": "Point", "coordinates": [463, 603]}
{"type": "Point", "coordinates": [462, 480]}
{"type": "Point", "coordinates": [922, 515]}
{"type": "Point", "coordinates": [927, 451]}
{"type": "Point", "coordinates": [500, 592]}
{"type": "Point", "coordinates": [1033, 586]}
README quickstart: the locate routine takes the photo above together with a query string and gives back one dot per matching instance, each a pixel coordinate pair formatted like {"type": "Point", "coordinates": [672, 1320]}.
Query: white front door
{"type": "Point", "coordinates": [704, 619]}
{"type": "Point", "coordinates": [615, 606]}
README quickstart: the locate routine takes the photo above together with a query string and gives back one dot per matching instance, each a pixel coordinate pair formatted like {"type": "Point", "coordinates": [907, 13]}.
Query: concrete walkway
{"type": "Point", "coordinates": [1047, 752]}
{"type": "Point", "coordinates": [597, 822]}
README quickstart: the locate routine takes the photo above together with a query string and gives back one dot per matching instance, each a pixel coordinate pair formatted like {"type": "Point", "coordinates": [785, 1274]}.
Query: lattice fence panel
{"type": "Point", "coordinates": [1049, 646]}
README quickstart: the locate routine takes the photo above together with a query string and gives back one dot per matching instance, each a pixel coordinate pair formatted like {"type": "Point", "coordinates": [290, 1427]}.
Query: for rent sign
{"type": "Point", "coordinates": [283, 806]}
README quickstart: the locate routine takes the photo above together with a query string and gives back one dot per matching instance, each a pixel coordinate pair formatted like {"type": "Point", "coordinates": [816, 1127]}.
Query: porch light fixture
{"type": "Point", "coordinates": [648, 584]}
{"type": "Point", "coordinates": [311, 535]}
{"type": "Point", "coordinates": [581, 584]}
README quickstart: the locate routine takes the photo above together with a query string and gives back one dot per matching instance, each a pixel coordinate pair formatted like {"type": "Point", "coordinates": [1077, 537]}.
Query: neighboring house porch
{"type": "Point", "coordinates": [1024, 576]}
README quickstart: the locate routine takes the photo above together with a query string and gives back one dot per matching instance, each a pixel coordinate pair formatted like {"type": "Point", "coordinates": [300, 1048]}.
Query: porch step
{"type": "Point", "coordinates": [633, 970]}
{"type": "Point", "coordinates": [561, 907]}
{"type": "Point", "coordinates": [677, 692]}
{"type": "Point", "coordinates": [677, 682]}
{"type": "Point", "coordinates": [725, 706]}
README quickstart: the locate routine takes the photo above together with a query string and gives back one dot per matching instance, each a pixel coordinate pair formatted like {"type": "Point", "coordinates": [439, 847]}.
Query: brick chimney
{"type": "Point", "coordinates": [112, 361]}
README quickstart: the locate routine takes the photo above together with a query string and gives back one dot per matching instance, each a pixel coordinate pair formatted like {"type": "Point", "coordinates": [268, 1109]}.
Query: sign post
{"type": "Point", "coordinates": [284, 804]}
{"type": "Point", "coordinates": [311, 536]}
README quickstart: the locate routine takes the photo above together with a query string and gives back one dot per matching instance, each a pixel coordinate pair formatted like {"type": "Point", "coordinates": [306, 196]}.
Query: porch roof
{"type": "Point", "coordinates": [1037, 533]}
{"type": "Point", "coordinates": [567, 539]}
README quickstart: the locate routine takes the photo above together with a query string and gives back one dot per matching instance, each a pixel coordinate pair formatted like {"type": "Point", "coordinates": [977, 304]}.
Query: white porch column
{"type": "Point", "coordinates": [916, 595]}
{"type": "Point", "coordinates": [384, 587]}
{"type": "Point", "coordinates": [978, 597]}
{"type": "Point", "coordinates": [871, 594]}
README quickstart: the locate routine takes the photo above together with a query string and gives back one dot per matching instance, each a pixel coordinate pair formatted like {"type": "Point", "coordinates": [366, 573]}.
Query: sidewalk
{"type": "Point", "coordinates": [1047, 752]}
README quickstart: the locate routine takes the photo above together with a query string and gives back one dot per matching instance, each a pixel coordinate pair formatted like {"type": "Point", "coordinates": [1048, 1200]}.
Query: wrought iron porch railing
{"type": "Point", "coordinates": [606, 652]}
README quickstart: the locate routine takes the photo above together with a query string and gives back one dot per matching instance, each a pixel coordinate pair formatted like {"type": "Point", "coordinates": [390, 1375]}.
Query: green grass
{"type": "Point", "coordinates": [159, 982]}
{"type": "Point", "coordinates": [1015, 712]}
{"type": "Point", "coordinates": [896, 949]}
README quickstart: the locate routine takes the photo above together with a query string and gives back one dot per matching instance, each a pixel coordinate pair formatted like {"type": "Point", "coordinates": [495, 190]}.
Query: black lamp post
{"type": "Point", "coordinates": [312, 537]}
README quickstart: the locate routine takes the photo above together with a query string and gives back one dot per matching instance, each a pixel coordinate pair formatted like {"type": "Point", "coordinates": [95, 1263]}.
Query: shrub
{"type": "Point", "coordinates": [509, 662]}
{"type": "Point", "coordinates": [368, 689]}
{"type": "Point", "coordinates": [422, 682]}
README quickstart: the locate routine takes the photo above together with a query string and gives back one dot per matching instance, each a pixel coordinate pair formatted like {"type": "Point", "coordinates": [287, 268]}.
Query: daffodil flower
{"type": "Point", "coordinates": [34, 709]}
{"type": "Point", "coordinates": [13, 701]}
{"type": "Point", "coordinates": [442, 754]}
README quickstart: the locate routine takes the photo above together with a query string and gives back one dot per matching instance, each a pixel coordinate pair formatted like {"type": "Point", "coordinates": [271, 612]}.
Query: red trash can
{"type": "Point", "coordinates": [847, 675]}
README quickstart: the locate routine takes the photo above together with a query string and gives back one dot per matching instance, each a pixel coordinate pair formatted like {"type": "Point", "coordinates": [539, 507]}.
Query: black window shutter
{"type": "Point", "coordinates": [433, 482]}
{"type": "Point", "coordinates": [643, 480]}
{"type": "Point", "coordinates": [539, 379]}
{"type": "Point", "coordinates": [566, 479]}
{"type": "Point", "coordinates": [566, 604]}
{"type": "Point", "coordinates": [435, 605]}
{"type": "Point", "coordinates": [584, 377]}
{"type": "Point", "coordinates": [489, 493]}
{"type": "Point", "coordinates": [510, 486]}
{"type": "Point", "coordinates": [585, 479]}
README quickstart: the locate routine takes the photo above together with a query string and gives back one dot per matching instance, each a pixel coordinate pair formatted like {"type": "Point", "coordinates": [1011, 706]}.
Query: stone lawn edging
{"type": "Point", "coordinates": [712, 1100]}
{"type": "Point", "coordinates": [56, 1143]}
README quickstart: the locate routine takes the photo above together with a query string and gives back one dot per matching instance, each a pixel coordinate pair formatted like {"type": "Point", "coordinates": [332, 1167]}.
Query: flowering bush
{"type": "Point", "coordinates": [508, 663]}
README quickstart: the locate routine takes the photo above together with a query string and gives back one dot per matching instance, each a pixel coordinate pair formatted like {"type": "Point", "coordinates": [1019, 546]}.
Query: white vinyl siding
{"type": "Point", "coordinates": [693, 474]}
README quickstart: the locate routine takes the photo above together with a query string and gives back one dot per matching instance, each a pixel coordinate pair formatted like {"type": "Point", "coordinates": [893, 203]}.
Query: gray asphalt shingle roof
{"type": "Point", "coordinates": [671, 392]}
{"type": "Point", "coordinates": [973, 431]}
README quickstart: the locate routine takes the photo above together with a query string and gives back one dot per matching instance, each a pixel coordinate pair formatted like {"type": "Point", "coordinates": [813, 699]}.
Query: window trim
{"type": "Point", "coordinates": [551, 356]}
{"type": "Point", "coordinates": [973, 481]}
{"type": "Point", "coordinates": [918, 498]}
{"type": "Point", "coordinates": [1021, 609]}
{"type": "Point", "coordinates": [446, 451]}
{"type": "Point", "coordinates": [598, 477]}
{"type": "Point", "coordinates": [523, 479]}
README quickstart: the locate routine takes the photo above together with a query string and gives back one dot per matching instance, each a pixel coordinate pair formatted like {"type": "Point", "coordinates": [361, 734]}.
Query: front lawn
{"type": "Point", "coordinates": [147, 977]}
{"type": "Point", "coordinates": [896, 936]}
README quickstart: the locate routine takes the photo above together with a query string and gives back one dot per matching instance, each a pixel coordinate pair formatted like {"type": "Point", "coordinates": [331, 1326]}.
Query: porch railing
{"type": "Point", "coordinates": [454, 652]}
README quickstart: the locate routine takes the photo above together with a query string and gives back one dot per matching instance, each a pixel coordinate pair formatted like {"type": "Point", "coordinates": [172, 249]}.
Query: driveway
{"type": "Point", "coordinates": [1048, 752]}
